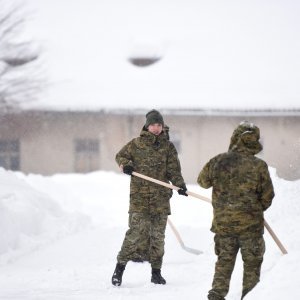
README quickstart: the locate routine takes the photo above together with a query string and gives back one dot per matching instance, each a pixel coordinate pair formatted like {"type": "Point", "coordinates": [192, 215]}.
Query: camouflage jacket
{"type": "Point", "coordinates": [156, 157]}
{"type": "Point", "coordinates": [242, 189]}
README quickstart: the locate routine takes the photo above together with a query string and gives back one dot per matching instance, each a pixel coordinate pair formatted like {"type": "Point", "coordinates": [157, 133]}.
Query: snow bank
{"type": "Point", "coordinates": [29, 218]}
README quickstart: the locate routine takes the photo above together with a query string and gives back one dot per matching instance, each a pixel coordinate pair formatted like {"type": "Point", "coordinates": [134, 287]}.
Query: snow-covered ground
{"type": "Point", "coordinates": [60, 236]}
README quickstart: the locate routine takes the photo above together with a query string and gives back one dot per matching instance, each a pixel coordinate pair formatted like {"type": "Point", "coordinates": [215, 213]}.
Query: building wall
{"type": "Point", "coordinates": [205, 136]}
{"type": "Point", "coordinates": [47, 139]}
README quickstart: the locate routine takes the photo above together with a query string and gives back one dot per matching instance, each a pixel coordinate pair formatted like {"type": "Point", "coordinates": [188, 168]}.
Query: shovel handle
{"type": "Point", "coordinates": [173, 187]}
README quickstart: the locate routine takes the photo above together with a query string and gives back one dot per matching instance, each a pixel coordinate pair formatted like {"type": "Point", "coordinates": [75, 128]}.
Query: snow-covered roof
{"type": "Point", "coordinates": [210, 54]}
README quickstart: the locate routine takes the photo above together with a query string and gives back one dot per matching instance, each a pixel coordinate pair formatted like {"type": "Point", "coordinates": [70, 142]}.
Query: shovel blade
{"type": "Point", "coordinates": [191, 250]}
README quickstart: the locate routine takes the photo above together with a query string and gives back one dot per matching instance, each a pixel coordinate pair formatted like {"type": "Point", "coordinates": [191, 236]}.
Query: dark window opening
{"type": "Point", "coordinates": [175, 139]}
{"type": "Point", "coordinates": [10, 154]}
{"type": "Point", "coordinates": [86, 155]}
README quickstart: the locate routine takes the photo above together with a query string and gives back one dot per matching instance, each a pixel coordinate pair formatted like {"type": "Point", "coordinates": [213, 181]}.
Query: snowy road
{"type": "Point", "coordinates": [80, 267]}
{"type": "Point", "coordinates": [60, 236]}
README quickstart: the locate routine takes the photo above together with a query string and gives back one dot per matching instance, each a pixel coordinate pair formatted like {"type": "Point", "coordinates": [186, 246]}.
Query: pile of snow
{"type": "Point", "coordinates": [29, 218]}
{"type": "Point", "coordinates": [60, 236]}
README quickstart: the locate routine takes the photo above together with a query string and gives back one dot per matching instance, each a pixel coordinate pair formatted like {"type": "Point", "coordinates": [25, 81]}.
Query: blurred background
{"type": "Point", "coordinates": [77, 78]}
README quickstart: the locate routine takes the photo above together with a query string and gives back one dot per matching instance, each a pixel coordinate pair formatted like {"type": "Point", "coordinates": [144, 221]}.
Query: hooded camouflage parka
{"type": "Point", "coordinates": [156, 157]}
{"type": "Point", "coordinates": [242, 187]}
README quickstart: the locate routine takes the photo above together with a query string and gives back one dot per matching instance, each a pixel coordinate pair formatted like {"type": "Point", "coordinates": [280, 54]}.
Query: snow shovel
{"type": "Point", "coordinates": [173, 187]}
{"type": "Point", "coordinates": [179, 239]}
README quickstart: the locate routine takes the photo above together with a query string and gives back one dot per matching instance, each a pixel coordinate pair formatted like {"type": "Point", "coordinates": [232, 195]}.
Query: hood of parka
{"type": "Point", "coordinates": [245, 138]}
{"type": "Point", "coordinates": [151, 138]}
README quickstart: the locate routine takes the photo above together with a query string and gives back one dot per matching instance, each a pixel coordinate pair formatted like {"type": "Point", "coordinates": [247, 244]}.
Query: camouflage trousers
{"type": "Point", "coordinates": [144, 230]}
{"type": "Point", "coordinates": [226, 248]}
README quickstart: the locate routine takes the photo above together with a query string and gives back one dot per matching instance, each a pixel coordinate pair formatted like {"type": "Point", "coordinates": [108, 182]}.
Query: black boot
{"type": "Point", "coordinates": [156, 277]}
{"type": "Point", "coordinates": [117, 276]}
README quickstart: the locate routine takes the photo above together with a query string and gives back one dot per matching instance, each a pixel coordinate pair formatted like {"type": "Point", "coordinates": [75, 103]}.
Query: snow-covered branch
{"type": "Point", "coordinates": [21, 74]}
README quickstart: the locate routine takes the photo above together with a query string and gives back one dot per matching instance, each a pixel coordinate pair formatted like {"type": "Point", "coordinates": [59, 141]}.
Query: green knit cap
{"type": "Point", "coordinates": [152, 117]}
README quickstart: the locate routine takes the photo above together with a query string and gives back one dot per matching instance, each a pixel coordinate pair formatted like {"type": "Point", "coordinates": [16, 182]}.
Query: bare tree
{"type": "Point", "coordinates": [21, 75]}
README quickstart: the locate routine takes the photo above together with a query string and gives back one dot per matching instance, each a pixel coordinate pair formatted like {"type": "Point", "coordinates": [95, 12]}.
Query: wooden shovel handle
{"type": "Point", "coordinates": [173, 187]}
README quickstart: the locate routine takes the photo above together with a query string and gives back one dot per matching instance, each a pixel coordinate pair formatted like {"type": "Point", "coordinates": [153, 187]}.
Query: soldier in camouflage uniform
{"type": "Point", "coordinates": [142, 253]}
{"type": "Point", "coordinates": [151, 154]}
{"type": "Point", "coordinates": [242, 191]}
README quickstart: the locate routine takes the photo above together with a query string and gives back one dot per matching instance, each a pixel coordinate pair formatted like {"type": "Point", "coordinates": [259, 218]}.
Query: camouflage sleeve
{"type": "Point", "coordinates": [204, 178]}
{"type": "Point", "coordinates": [124, 157]}
{"type": "Point", "coordinates": [174, 168]}
{"type": "Point", "coordinates": [266, 190]}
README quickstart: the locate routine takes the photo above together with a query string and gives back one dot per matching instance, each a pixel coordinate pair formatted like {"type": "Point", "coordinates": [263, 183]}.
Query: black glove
{"type": "Point", "coordinates": [182, 191]}
{"type": "Point", "coordinates": [128, 170]}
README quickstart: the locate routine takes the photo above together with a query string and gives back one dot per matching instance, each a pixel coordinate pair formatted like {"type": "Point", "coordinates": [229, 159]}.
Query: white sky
{"type": "Point", "coordinates": [215, 54]}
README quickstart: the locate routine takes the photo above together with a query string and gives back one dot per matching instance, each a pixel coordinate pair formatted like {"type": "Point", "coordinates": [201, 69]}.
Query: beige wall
{"type": "Point", "coordinates": [47, 138]}
{"type": "Point", "coordinates": [206, 136]}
